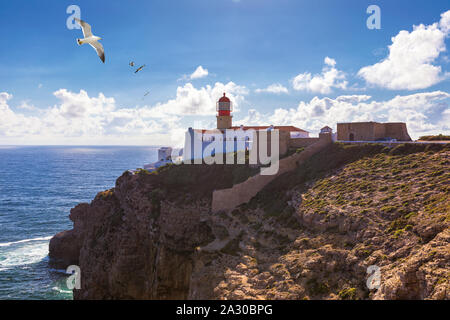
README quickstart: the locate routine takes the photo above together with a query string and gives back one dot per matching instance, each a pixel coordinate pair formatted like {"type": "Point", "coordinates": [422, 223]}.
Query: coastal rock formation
{"type": "Point", "coordinates": [309, 234]}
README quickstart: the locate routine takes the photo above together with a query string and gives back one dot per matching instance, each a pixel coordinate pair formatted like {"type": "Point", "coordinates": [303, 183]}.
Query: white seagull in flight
{"type": "Point", "coordinates": [91, 39]}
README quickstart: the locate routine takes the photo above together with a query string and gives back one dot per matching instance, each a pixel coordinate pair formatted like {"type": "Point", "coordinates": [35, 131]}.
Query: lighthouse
{"type": "Point", "coordinates": [224, 108]}
{"type": "Point", "coordinates": [205, 143]}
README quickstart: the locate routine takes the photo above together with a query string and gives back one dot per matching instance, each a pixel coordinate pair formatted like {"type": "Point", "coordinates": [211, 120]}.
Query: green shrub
{"type": "Point", "coordinates": [439, 137]}
{"type": "Point", "coordinates": [347, 294]}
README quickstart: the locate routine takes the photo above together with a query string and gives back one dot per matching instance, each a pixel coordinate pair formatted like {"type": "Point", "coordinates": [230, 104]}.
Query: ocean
{"type": "Point", "coordinates": [38, 187]}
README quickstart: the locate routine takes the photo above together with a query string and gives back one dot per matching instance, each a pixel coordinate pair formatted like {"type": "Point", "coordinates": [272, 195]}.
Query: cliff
{"type": "Point", "coordinates": [309, 234]}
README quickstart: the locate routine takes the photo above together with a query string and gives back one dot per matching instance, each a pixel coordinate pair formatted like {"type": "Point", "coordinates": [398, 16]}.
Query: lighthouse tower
{"type": "Point", "coordinates": [224, 108]}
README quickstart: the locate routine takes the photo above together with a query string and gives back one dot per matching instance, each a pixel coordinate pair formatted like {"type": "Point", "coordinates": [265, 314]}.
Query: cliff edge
{"type": "Point", "coordinates": [310, 234]}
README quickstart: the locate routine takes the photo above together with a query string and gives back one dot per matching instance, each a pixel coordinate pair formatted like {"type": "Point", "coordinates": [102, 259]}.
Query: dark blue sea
{"type": "Point", "coordinates": [38, 187]}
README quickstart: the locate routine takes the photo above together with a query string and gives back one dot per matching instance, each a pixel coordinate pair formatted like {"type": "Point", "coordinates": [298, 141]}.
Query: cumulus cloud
{"type": "Point", "coordinates": [4, 97]}
{"type": "Point", "coordinates": [353, 98]}
{"type": "Point", "coordinates": [444, 24]}
{"type": "Point", "coordinates": [192, 101]}
{"type": "Point", "coordinates": [200, 72]}
{"type": "Point", "coordinates": [26, 106]}
{"type": "Point", "coordinates": [12, 124]}
{"type": "Point", "coordinates": [273, 88]}
{"type": "Point", "coordinates": [321, 83]}
{"type": "Point", "coordinates": [253, 118]}
{"type": "Point", "coordinates": [330, 62]}
{"type": "Point", "coordinates": [424, 113]}
{"type": "Point", "coordinates": [80, 105]}
{"type": "Point", "coordinates": [78, 118]}
{"type": "Point", "coordinates": [409, 65]}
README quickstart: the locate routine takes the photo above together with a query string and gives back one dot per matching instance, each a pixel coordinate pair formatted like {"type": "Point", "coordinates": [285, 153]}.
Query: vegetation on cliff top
{"type": "Point", "coordinates": [439, 137]}
{"type": "Point", "coordinates": [199, 181]}
{"type": "Point", "coordinates": [335, 156]}
{"type": "Point", "coordinates": [314, 231]}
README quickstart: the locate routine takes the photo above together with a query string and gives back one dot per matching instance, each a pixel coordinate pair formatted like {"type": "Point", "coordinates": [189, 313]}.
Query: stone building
{"type": "Point", "coordinates": [372, 131]}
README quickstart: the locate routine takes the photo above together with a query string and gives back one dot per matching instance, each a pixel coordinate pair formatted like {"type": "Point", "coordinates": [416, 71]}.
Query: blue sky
{"type": "Point", "coordinates": [318, 59]}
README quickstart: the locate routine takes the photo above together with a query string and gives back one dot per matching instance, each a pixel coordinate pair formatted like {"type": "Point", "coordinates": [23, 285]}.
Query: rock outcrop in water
{"type": "Point", "coordinates": [310, 234]}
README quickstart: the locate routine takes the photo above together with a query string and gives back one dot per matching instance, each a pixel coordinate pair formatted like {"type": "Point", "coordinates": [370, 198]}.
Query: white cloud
{"type": "Point", "coordinates": [26, 106]}
{"type": "Point", "coordinates": [4, 97]}
{"type": "Point", "coordinates": [78, 118]}
{"type": "Point", "coordinates": [409, 63]}
{"type": "Point", "coordinates": [329, 61]}
{"type": "Point", "coordinates": [321, 83]}
{"type": "Point", "coordinates": [424, 113]}
{"type": "Point", "coordinates": [192, 101]}
{"type": "Point", "coordinates": [444, 24]}
{"type": "Point", "coordinates": [253, 118]}
{"type": "Point", "coordinates": [80, 105]}
{"type": "Point", "coordinates": [273, 88]}
{"type": "Point", "coordinates": [200, 72]}
{"type": "Point", "coordinates": [12, 124]}
{"type": "Point", "coordinates": [353, 98]}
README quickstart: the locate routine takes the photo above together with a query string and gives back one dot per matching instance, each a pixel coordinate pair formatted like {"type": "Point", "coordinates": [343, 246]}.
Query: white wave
{"type": "Point", "coordinates": [61, 290]}
{"type": "Point", "coordinates": [27, 252]}
{"type": "Point", "coordinates": [7, 244]}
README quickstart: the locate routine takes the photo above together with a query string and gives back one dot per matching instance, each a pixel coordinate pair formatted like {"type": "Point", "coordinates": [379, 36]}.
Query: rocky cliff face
{"type": "Point", "coordinates": [310, 234]}
{"type": "Point", "coordinates": [130, 244]}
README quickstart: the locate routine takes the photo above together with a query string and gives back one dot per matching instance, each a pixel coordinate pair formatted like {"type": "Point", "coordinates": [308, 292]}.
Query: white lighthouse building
{"type": "Point", "coordinates": [233, 138]}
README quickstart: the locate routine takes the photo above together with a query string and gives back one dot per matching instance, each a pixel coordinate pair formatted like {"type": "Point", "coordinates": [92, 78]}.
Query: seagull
{"type": "Point", "coordinates": [139, 69]}
{"type": "Point", "coordinates": [146, 94]}
{"type": "Point", "coordinates": [91, 39]}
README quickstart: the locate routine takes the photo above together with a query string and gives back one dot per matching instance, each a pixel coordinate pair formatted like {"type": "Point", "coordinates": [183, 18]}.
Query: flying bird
{"type": "Point", "coordinates": [139, 69]}
{"type": "Point", "coordinates": [91, 39]}
{"type": "Point", "coordinates": [146, 94]}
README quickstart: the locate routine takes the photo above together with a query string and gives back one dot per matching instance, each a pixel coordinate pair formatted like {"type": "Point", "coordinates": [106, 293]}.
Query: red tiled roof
{"type": "Point", "coordinates": [207, 130]}
{"type": "Point", "coordinates": [281, 128]}
{"type": "Point", "coordinates": [245, 128]}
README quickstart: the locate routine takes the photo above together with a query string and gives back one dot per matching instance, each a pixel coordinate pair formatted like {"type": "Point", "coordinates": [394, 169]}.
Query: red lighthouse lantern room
{"type": "Point", "coordinates": [224, 106]}
{"type": "Point", "coordinates": [224, 117]}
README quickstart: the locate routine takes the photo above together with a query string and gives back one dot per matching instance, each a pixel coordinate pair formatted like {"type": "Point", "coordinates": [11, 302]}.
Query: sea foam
{"type": "Point", "coordinates": [7, 244]}
{"type": "Point", "coordinates": [23, 252]}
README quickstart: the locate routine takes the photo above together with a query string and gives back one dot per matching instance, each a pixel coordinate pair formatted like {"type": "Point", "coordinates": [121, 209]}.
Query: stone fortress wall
{"type": "Point", "coordinates": [372, 131]}
{"type": "Point", "coordinates": [228, 199]}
